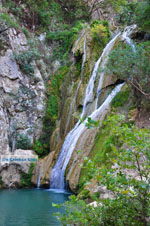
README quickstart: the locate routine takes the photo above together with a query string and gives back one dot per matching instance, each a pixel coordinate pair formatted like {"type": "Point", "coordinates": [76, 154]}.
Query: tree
{"type": "Point", "coordinates": [134, 68]}
{"type": "Point", "coordinates": [143, 15]}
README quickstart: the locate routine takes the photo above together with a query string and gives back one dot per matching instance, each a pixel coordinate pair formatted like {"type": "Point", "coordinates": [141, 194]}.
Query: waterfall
{"type": "Point", "coordinates": [126, 36]}
{"type": "Point", "coordinates": [39, 181]}
{"type": "Point", "coordinates": [78, 86]}
{"type": "Point", "coordinates": [104, 60]}
{"type": "Point", "coordinates": [58, 171]}
{"type": "Point", "coordinates": [77, 42]}
{"type": "Point", "coordinates": [89, 96]}
{"type": "Point", "coordinates": [57, 175]}
{"type": "Point", "coordinates": [39, 177]}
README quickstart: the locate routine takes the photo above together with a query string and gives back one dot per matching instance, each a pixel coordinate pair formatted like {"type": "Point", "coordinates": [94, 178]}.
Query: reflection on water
{"type": "Point", "coordinates": [30, 207]}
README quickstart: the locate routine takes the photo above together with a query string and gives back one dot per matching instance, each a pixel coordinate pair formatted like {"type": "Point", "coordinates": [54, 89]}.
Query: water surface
{"type": "Point", "coordinates": [30, 207]}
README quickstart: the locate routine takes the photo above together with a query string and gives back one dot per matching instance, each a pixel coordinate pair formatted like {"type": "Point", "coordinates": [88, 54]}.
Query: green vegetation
{"type": "Point", "coordinates": [59, 19]}
{"type": "Point", "coordinates": [143, 15]}
{"type": "Point", "coordinates": [53, 98]}
{"type": "Point", "coordinates": [100, 31]}
{"type": "Point", "coordinates": [23, 142]}
{"type": "Point", "coordinates": [127, 14]}
{"type": "Point", "coordinates": [25, 59]}
{"type": "Point", "coordinates": [124, 171]}
{"type": "Point", "coordinates": [40, 147]}
{"type": "Point", "coordinates": [26, 177]}
{"type": "Point", "coordinates": [41, 13]}
{"type": "Point", "coordinates": [1, 181]}
{"type": "Point", "coordinates": [136, 12]}
{"type": "Point", "coordinates": [64, 40]}
{"type": "Point", "coordinates": [134, 68]}
{"type": "Point", "coordinates": [4, 17]}
{"type": "Point", "coordinates": [100, 34]}
{"type": "Point", "coordinates": [37, 13]}
{"type": "Point", "coordinates": [26, 32]}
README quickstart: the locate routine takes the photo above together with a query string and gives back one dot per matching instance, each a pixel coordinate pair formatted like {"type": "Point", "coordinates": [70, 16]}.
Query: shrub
{"type": "Point", "coordinates": [26, 177]}
{"type": "Point", "coordinates": [40, 147]}
{"type": "Point", "coordinates": [99, 33]}
{"type": "Point", "coordinates": [64, 40]}
{"type": "Point", "coordinates": [23, 142]}
{"type": "Point", "coordinates": [25, 59]}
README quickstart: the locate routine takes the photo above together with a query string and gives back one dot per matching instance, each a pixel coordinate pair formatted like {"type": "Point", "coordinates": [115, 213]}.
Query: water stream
{"type": "Point", "coordinates": [126, 36]}
{"type": "Point", "coordinates": [101, 62]}
{"type": "Point", "coordinates": [58, 171]}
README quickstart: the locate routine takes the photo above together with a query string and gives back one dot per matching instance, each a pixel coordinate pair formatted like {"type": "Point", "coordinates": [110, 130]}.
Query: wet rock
{"type": "Point", "coordinates": [43, 169]}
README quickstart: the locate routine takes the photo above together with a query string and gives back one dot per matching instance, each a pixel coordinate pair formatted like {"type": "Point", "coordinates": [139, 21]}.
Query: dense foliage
{"type": "Point", "coordinates": [143, 15]}
{"type": "Point", "coordinates": [134, 68]}
{"type": "Point", "coordinates": [136, 12]}
{"type": "Point", "coordinates": [123, 171]}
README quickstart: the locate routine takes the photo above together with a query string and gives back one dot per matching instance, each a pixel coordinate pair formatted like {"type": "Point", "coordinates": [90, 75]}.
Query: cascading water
{"type": "Point", "coordinates": [125, 36]}
{"type": "Point", "coordinates": [58, 171]}
{"type": "Point", "coordinates": [79, 84]}
{"type": "Point", "coordinates": [39, 181]}
{"type": "Point", "coordinates": [89, 96]}
{"type": "Point", "coordinates": [39, 177]}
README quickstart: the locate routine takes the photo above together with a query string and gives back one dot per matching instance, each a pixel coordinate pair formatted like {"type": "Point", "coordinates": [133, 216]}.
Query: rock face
{"type": "Point", "coordinates": [42, 170]}
{"type": "Point", "coordinates": [22, 96]}
{"type": "Point", "coordinates": [100, 11]}
{"type": "Point", "coordinates": [11, 171]}
{"type": "Point", "coordinates": [73, 93]}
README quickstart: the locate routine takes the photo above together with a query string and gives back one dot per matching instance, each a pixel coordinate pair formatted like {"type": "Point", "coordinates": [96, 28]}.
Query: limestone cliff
{"type": "Point", "coordinates": [22, 101]}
